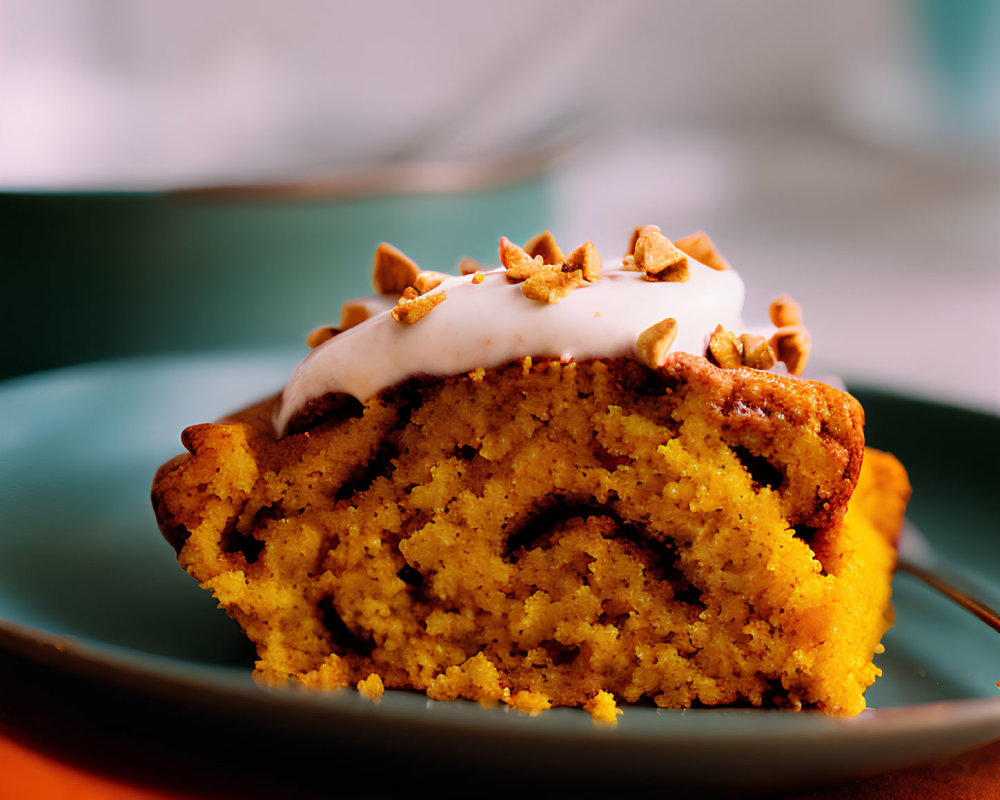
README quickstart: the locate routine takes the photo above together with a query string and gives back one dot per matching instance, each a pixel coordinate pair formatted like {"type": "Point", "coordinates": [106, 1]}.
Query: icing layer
{"type": "Point", "coordinates": [491, 323]}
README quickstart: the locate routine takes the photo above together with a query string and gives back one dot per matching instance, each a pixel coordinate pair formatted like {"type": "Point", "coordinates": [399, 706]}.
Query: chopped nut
{"type": "Point", "coordinates": [654, 343]}
{"type": "Point", "coordinates": [641, 230]}
{"type": "Point", "coordinates": [586, 259]}
{"type": "Point", "coordinates": [478, 277]}
{"type": "Point", "coordinates": [544, 245]}
{"type": "Point", "coordinates": [410, 310]}
{"type": "Point", "coordinates": [517, 262]}
{"type": "Point", "coordinates": [660, 260]}
{"type": "Point", "coordinates": [353, 313]}
{"type": "Point", "coordinates": [427, 280]}
{"type": "Point", "coordinates": [320, 335]}
{"type": "Point", "coordinates": [469, 266]}
{"type": "Point", "coordinates": [409, 293]}
{"type": "Point", "coordinates": [628, 264]}
{"type": "Point", "coordinates": [702, 249]}
{"type": "Point", "coordinates": [791, 343]}
{"type": "Point", "coordinates": [785, 311]}
{"type": "Point", "coordinates": [392, 271]}
{"type": "Point", "coordinates": [551, 285]}
{"type": "Point", "coordinates": [757, 353]}
{"type": "Point", "coordinates": [372, 687]}
{"type": "Point", "coordinates": [724, 348]}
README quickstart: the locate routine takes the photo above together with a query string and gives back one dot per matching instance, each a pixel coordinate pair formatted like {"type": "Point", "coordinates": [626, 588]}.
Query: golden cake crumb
{"type": "Point", "coordinates": [371, 687]}
{"type": "Point", "coordinates": [603, 709]}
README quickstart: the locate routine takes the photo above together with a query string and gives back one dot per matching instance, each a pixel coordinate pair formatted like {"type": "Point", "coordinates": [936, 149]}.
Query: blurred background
{"type": "Point", "coordinates": [184, 176]}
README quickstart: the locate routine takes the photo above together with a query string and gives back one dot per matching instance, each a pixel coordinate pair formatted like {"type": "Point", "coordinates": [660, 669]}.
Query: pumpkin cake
{"type": "Point", "coordinates": [559, 482]}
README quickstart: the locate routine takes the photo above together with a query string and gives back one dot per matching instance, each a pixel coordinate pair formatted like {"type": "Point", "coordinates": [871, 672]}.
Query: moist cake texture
{"type": "Point", "coordinates": [660, 525]}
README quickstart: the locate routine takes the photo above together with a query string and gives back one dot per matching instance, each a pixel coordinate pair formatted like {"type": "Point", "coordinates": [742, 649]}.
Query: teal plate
{"type": "Point", "coordinates": [88, 587]}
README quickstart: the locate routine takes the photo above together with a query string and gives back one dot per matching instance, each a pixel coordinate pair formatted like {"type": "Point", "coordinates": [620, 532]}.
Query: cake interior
{"type": "Point", "coordinates": [548, 533]}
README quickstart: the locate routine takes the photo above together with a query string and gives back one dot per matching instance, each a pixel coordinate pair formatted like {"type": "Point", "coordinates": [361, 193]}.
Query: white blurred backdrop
{"type": "Point", "coordinates": [847, 153]}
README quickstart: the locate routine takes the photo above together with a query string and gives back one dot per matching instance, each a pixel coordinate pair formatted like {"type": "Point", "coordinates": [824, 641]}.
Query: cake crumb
{"type": "Point", "coordinates": [372, 687]}
{"type": "Point", "coordinates": [530, 702]}
{"type": "Point", "coordinates": [603, 709]}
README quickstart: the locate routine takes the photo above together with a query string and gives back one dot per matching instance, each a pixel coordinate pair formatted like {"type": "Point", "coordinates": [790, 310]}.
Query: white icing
{"type": "Point", "coordinates": [492, 323]}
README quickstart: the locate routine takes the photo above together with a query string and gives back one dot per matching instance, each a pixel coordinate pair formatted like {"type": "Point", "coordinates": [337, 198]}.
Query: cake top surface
{"type": "Point", "coordinates": [658, 298]}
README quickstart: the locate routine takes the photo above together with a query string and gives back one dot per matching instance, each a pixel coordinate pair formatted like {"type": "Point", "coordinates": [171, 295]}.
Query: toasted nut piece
{"type": "Point", "coordinates": [409, 293]}
{"type": "Point", "coordinates": [393, 270]}
{"type": "Point", "coordinates": [353, 313]}
{"type": "Point", "coordinates": [641, 230]}
{"type": "Point", "coordinates": [551, 285]}
{"type": "Point", "coordinates": [757, 353]}
{"type": "Point", "coordinates": [517, 262]}
{"type": "Point", "coordinates": [408, 311]}
{"type": "Point", "coordinates": [478, 277]}
{"type": "Point", "coordinates": [784, 311]}
{"type": "Point", "coordinates": [792, 344]}
{"type": "Point", "coordinates": [428, 280]}
{"type": "Point", "coordinates": [628, 264]}
{"type": "Point", "coordinates": [320, 335]}
{"type": "Point", "coordinates": [469, 266]}
{"type": "Point", "coordinates": [702, 249]}
{"type": "Point", "coordinates": [724, 349]}
{"type": "Point", "coordinates": [660, 260]}
{"type": "Point", "coordinates": [586, 259]}
{"type": "Point", "coordinates": [654, 343]}
{"type": "Point", "coordinates": [544, 245]}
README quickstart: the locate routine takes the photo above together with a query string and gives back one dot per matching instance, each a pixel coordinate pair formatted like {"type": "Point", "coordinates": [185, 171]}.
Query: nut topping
{"type": "Point", "coordinates": [792, 344]}
{"type": "Point", "coordinates": [414, 308]}
{"type": "Point", "coordinates": [654, 343]}
{"type": "Point", "coordinates": [586, 259]}
{"type": "Point", "coordinates": [469, 266]}
{"type": "Point", "coordinates": [656, 255]}
{"type": "Point", "coordinates": [353, 313]}
{"type": "Point", "coordinates": [550, 285]}
{"type": "Point", "coordinates": [517, 262]}
{"type": "Point", "coordinates": [320, 335]}
{"type": "Point", "coordinates": [427, 280]}
{"type": "Point", "coordinates": [724, 349]}
{"type": "Point", "coordinates": [784, 311]}
{"type": "Point", "coordinates": [703, 249]}
{"type": "Point", "coordinates": [393, 270]}
{"type": "Point", "coordinates": [757, 353]}
{"type": "Point", "coordinates": [640, 230]}
{"type": "Point", "coordinates": [544, 245]}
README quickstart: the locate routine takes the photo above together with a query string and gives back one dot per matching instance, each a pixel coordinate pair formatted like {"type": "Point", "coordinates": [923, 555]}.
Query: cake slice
{"type": "Point", "coordinates": [551, 484]}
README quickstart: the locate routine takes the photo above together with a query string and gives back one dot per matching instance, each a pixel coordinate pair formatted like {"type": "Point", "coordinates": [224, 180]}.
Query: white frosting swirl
{"type": "Point", "coordinates": [492, 322]}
